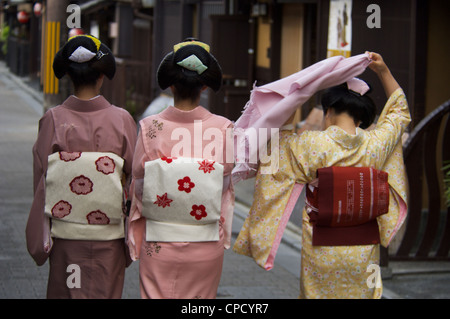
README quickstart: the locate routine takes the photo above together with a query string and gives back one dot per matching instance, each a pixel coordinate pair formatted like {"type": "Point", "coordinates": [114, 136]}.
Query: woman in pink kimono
{"type": "Point", "coordinates": [182, 195]}
{"type": "Point", "coordinates": [82, 159]}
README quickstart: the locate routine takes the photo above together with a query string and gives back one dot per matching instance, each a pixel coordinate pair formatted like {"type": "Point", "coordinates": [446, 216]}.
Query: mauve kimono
{"type": "Point", "coordinates": [81, 126]}
{"type": "Point", "coordinates": [179, 269]}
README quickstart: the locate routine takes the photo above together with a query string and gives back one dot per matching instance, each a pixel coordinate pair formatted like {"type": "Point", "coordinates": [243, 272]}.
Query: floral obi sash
{"type": "Point", "coordinates": [344, 207]}
{"type": "Point", "coordinates": [84, 188]}
{"type": "Point", "coordinates": [182, 199]}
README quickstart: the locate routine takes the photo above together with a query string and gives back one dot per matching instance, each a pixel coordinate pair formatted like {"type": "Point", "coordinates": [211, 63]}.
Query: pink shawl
{"type": "Point", "coordinates": [271, 105]}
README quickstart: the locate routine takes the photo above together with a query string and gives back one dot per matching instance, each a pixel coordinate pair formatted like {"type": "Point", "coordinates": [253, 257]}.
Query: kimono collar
{"type": "Point", "coordinates": [346, 140]}
{"type": "Point", "coordinates": [171, 113]}
{"type": "Point", "coordinates": [95, 104]}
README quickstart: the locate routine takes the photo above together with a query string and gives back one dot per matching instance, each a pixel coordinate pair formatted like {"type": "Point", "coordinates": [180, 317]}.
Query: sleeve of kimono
{"type": "Point", "coordinates": [136, 223]}
{"type": "Point", "coordinates": [129, 142]}
{"type": "Point", "coordinates": [300, 157]}
{"type": "Point", "coordinates": [228, 198]}
{"type": "Point", "coordinates": [38, 225]}
{"type": "Point", "coordinates": [274, 199]}
{"type": "Point", "coordinates": [392, 123]}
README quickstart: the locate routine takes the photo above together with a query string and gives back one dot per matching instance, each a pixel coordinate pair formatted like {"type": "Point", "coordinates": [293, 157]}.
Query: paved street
{"type": "Point", "coordinates": [20, 278]}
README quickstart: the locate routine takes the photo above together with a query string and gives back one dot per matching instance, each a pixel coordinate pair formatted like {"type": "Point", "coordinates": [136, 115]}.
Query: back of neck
{"type": "Point", "coordinates": [185, 105]}
{"type": "Point", "coordinates": [86, 93]}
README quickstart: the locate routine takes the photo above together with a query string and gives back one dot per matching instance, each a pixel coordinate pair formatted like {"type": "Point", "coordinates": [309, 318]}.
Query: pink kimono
{"type": "Point", "coordinates": [80, 126]}
{"type": "Point", "coordinates": [190, 267]}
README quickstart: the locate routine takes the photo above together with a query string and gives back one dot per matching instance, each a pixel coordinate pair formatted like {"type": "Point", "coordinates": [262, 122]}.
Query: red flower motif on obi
{"type": "Point", "coordinates": [105, 165]}
{"type": "Point", "coordinates": [168, 159]}
{"type": "Point", "coordinates": [61, 209]}
{"type": "Point", "coordinates": [198, 212]}
{"type": "Point", "coordinates": [206, 166]}
{"type": "Point", "coordinates": [97, 217]}
{"type": "Point", "coordinates": [163, 201]}
{"type": "Point", "coordinates": [81, 185]}
{"type": "Point", "coordinates": [69, 156]}
{"type": "Point", "coordinates": [185, 184]}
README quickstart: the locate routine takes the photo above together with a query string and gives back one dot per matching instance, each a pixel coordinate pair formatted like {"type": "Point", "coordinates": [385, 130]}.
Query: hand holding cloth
{"type": "Point", "coordinates": [272, 104]}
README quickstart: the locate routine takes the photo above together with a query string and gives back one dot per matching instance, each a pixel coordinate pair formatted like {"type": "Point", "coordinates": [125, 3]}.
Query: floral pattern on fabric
{"type": "Point", "coordinates": [152, 247]}
{"type": "Point", "coordinates": [336, 272]}
{"type": "Point", "coordinates": [185, 184]}
{"type": "Point", "coordinates": [105, 165]}
{"type": "Point", "coordinates": [69, 156]}
{"type": "Point", "coordinates": [156, 126]}
{"type": "Point", "coordinates": [168, 160]}
{"type": "Point", "coordinates": [180, 202]}
{"type": "Point", "coordinates": [61, 209]}
{"type": "Point", "coordinates": [81, 185]}
{"type": "Point", "coordinates": [97, 218]}
{"type": "Point", "coordinates": [84, 188]}
{"type": "Point", "coordinates": [206, 166]}
{"type": "Point", "coordinates": [163, 201]}
{"type": "Point", "coordinates": [198, 211]}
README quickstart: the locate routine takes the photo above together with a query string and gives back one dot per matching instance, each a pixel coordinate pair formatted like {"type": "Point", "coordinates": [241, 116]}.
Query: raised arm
{"type": "Point", "coordinates": [384, 74]}
{"type": "Point", "coordinates": [395, 117]}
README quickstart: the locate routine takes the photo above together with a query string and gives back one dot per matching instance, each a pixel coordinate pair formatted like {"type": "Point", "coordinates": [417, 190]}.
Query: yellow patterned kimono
{"type": "Point", "coordinates": [329, 271]}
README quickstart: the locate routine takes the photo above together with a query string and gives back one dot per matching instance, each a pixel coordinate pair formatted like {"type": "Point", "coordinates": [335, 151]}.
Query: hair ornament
{"type": "Point", "coordinates": [81, 55]}
{"type": "Point", "coordinates": [193, 63]}
{"type": "Point", "coordinates": [178, 46]}
{"type": "Point", "coordinates": [100, 54]}
{"type": "Point", "coordinates": [358, 86]}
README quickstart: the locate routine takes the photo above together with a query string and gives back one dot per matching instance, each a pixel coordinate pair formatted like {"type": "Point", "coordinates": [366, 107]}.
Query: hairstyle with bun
{"type": "Point", "coordinates": [360, 107]}
{"type": "Point", "coordinates": [84, 58]}
{"type": "Point", "coordinates": [187, 81]}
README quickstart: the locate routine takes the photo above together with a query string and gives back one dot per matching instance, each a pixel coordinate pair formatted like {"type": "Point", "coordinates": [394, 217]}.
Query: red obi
{"type": "Point", "coordinates": [344, 207]}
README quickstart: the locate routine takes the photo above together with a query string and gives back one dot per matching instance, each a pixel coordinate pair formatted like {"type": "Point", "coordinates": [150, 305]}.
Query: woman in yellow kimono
{"type": "Point", "coordinates": [333, 271]}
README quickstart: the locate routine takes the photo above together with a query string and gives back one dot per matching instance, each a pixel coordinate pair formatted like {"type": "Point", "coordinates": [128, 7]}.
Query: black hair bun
{"type": "Point", "coordinates": [360, 107]}
{"type": "Point", "coordinates": [83, 50]}
{"type": "Point", "coordinates": [170, 72]}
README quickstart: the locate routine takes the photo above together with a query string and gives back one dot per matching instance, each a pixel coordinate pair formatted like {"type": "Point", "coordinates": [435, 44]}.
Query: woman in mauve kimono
{"type": "Point", "coordinates": [182, 195]}
{"type": "Point", "coordinates": [82, 159]}
{"type": "Point", "coordinates": [334, 270]}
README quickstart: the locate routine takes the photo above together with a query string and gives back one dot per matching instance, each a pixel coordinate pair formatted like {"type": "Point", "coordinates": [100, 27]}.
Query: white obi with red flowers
{"type": "Point", "coordinates": [182, 199]}
{"type": "Point", "coordinates": [84, 195]}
